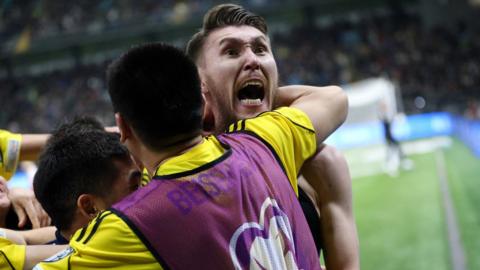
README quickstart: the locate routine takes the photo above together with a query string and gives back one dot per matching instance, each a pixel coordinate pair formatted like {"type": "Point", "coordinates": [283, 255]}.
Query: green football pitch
{"type": "Point", "coordinates": [401, 220]}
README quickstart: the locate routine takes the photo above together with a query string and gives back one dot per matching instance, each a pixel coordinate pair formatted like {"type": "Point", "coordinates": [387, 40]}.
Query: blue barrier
{"type": "Point", "coordinates": [423, 126]}
{"type": "Point", "coordinates": [410, 128]}
{"type": "Point", "coordinates": [469, 132]}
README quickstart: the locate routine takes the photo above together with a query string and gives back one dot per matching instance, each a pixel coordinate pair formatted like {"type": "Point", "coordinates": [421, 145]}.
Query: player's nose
{"type": "Point", "coordinates": [251, 60]}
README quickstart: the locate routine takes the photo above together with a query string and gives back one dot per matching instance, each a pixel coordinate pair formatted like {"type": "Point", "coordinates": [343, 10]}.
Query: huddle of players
{"type": "Point", "coordinates": [219, 201]}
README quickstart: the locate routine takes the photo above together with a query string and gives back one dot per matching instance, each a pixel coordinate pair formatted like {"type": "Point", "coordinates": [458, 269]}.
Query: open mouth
{"type": "Point", "coordinates": [252, 93]}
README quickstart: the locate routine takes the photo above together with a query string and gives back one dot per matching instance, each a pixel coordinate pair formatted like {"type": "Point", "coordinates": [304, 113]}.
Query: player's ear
{"type": "Point", "coordinates": [86, 206]}
{"type": "Point", "coordinates": [208, 124]}
{"type": "Point", "coordinates": [203, 87]}
{"type": "Point", "coordinates": [125, 130]}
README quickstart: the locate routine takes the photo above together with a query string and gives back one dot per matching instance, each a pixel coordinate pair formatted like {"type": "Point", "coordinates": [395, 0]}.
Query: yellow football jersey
{"type": "Point", "coordinates": [145, 178]}
{"type": "Point", "coordinates": [109, 242]}
{"type": "Point", "coordinates": [289, 132]}
{"type": "Point", "coordinates": [9, 153]}
{"type": "Point", "coordinates": [12, 256]}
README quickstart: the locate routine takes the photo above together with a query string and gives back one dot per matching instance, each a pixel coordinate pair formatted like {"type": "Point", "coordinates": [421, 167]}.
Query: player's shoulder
{"type": "Point", "coordinates": [280, 118]}
{"type": "Point", "coordinates": [288, 115]}
{"type": "Point", "coordinates": [11, 254]}
{"type": "Point", "coordinates": [107, 240]}
{"type": "Point", "coordinates": [105, 227]}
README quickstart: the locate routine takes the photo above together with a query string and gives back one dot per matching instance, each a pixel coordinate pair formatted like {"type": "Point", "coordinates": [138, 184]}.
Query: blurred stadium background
{"type": "Point", "coordinates": [421, 57]}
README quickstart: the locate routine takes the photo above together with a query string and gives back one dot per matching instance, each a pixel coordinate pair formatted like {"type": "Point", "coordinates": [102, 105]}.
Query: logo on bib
{"type": "Point", "coordinates": [267, 244]}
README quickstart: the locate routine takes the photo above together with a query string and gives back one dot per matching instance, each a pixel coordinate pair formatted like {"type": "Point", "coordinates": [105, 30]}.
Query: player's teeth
{"type": "Point", "coordinates": [252, 83]}
{"type": "Point", "coordinates": [256, 101]}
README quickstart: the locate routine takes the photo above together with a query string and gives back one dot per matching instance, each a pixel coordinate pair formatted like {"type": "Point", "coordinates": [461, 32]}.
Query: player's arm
{"type": "Point", "coordinates": [32, 145]}
{"type": "Point", "coordinates": [329, 176]}
{"type": "Point", "coordinates": [29, 237]}
{"type": "Point", "coordinates": [15, 256]}
{"type": "Point", "coordinates": [327, 172]}
{"type": "Point", "coordinates": [37, 253]}
{"type": "Point", "coordinates": [294, 132]}
{"type": "Point", "coordinates": [326, 107]}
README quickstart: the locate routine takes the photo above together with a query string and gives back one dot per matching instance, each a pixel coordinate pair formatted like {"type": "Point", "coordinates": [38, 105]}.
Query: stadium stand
{"type": "Point", "coordinates": [435, 68]}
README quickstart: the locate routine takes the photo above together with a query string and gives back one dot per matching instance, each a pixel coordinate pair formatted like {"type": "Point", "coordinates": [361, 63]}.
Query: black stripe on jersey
{"type": "Point", "coordinates": [8, 261]}
{"type": "Point", "coordinates": [144, 183]}
{"type": "Point", "coordinates": [232, 127]}
{"type": "Point", "coordinates": [82, 233]}
{"type": "Point", "coordinates": [293, 122]}
{"type": "Point", "coordinates": [142, 237]}
{"type": "Point", "coordinates": [206, 166]}
{"type": "Point", "coordinates": [242, 124]}
{"type": "Point", "coordinates": [95, 227]}
{"type": "Point", "coordinates": [69, 262]}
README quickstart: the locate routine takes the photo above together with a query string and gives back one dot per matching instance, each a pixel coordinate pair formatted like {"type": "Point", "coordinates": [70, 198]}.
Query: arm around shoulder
{"type": "Point", "coordinates": [327, 107]}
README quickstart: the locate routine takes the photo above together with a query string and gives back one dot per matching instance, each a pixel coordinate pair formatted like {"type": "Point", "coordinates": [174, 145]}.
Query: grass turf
{"type": "Point", "coordinates": [464, 181]}
{"type": "Point", "coordinates": [401, 220]}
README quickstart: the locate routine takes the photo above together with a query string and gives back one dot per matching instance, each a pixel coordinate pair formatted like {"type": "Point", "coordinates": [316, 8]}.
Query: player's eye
{"type": "Point", "coordinates": [231, 52]}
{"type": "Point", "coordinates": [260, 49]}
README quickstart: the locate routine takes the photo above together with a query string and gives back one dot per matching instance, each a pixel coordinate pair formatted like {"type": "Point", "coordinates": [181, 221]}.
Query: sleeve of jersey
{"type": "Point", "coordinates": [12, 256]}
{"type": "Point", "coordinates": [290, 133]}
{"type": "Point", "coordinates": [9, 153]}
{"type": "Point", "coordinates": [106, 243]}
{"type": "Point", "coordinates": [145, 178]}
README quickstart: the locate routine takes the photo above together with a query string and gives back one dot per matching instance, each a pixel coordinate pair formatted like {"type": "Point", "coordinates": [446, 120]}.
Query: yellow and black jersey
{"type": "Point", "coordinates": [109, 242]}
{"type": "Point", "coordinates": [277, 128]}
{"type": "Point", "coordinates": [145, 178]}
{"type": "Point", "coordinates": [12, 256]}
{"type": "Point", "coordinates": [9, 153]}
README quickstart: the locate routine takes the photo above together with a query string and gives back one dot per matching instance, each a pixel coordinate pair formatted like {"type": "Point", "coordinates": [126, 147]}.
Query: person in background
{"type": "Point", "coordinates": [395, 156]}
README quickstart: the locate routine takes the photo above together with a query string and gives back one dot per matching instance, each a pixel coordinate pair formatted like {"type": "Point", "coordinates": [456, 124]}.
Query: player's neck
{"type": "Point", "coordinates": [153, 160]}
{"type": "Point", "coordinates": [77, 223]}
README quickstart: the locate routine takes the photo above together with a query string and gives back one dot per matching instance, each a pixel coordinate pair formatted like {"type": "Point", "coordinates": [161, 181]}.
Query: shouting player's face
{"type": "Point", "coordinates": [239, 73]}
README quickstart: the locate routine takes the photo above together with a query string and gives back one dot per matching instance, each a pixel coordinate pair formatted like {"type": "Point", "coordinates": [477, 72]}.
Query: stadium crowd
{"type": "Point", "coordinates": [436, 69]}
{"type": "Point", "coordinates": [440, 65]}
{"type": "Point", "coordinates": [47, 18]}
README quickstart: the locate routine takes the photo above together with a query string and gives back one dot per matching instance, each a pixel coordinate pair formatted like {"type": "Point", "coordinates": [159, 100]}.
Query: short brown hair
{"type": "Point", "coordinates": [220, 16]}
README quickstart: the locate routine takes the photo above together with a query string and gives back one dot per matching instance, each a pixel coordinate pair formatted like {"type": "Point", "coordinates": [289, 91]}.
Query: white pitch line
{"type": "Point", "coordinates": [456, 249]}
{"type": "Point", "coordinates": [371, 160]}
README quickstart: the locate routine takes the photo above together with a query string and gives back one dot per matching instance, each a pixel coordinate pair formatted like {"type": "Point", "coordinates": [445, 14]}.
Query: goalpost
{"type": "Point", "coordinates": [369, 101]}
{"type": "Point", "coordinates": [365, 97]}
